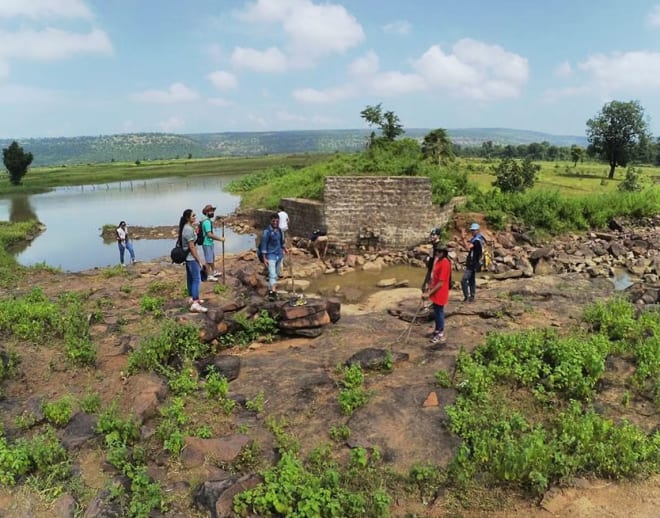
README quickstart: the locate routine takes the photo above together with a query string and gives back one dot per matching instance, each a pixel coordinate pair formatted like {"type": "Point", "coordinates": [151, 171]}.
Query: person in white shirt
{"type": "Point", "coordinates": [284, 222]}
{"type": "Point", "coordinates": [124, 243]}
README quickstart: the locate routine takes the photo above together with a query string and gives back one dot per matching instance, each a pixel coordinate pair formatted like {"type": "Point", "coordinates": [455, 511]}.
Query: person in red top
{"type": "Point", "coordinates": [439, 290]}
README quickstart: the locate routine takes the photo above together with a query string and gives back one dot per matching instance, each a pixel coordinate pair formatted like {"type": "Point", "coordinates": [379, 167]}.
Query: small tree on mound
{"type": "Point", "coordinates": [16, 161]}
{"type": "Point", "coordinates": [514, 176]}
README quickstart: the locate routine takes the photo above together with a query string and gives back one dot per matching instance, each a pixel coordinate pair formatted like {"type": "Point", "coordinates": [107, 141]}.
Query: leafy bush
{"type": "Point", "coordinates": [514, 176]}
{"type": "Point", "coordinates": [249, 329]}
{"type": "Point", "coordinates": [352, 395]}
{"type": "Point", "coordinates": [58, 412]}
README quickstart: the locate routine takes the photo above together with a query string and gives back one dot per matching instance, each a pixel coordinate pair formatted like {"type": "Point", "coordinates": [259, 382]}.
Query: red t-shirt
{"type": "Point", "coordinates": [441, 271]}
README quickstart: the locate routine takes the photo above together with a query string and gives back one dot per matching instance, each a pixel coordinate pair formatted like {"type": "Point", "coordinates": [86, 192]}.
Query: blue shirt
{"type": "Point", "coordinates": [272, 244]}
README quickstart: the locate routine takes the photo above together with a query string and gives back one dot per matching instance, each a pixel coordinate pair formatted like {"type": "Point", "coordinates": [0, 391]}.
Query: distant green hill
{"type": "Point", "coordinates": [151, 146]}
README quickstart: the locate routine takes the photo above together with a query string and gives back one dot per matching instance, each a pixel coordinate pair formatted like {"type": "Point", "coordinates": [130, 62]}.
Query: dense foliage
{"type": "Point", "coordinates": [525, 407]}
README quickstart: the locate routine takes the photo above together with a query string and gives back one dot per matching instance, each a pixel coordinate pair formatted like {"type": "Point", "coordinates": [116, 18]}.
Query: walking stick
{"type": "Point", "coordinates": [223, 252]}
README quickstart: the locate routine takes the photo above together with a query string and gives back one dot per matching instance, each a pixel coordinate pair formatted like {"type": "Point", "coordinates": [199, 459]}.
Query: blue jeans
{"type": "Point", "coordinates": [128, 246]}
{"type": "Point", "coordinates": [274, 271]}
{"type": "Point", "coordinates": [469, 283]}
{"type": "Point", "coordinates": [439, 314]}
{"type": "Point", "coordinates": [193, 279]}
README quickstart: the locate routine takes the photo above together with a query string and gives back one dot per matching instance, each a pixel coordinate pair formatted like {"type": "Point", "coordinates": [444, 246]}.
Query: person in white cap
{"type": "Point", "coordinates": [208, 246]}
{"type": "Point", "coordinates": [474, 246]}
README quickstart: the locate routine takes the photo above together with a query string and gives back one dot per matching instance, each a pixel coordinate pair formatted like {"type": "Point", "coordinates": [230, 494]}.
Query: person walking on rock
{"type": "Point", "coordinates": [272, 250]}
{"type": "Point", "coordinates": [187, 238]}
{"type": "Point", "coordinates": [439, 290]}
{"type": "Point", "coordinates": [284, 222]}
{"type": "Point", "coordinates": [124, 243]}
{"type": "Point", "coordinates": [208, 246]}
{"type": "Point", "coordinates": [474, 247]}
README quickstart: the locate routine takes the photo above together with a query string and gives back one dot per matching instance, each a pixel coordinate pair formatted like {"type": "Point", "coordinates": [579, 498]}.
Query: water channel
{"type": "Point", "coordinates": [74, 217]}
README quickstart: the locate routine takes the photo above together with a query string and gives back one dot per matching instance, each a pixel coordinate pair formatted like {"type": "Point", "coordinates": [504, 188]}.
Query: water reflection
{"type": "Point", "coordinates": [21, 209]}
{"type": "Point", "coordinates": [74, 216]}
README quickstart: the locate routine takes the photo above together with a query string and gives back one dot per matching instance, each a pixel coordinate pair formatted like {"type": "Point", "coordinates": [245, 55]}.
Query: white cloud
{"type": "Point", "coordinates": [628, 72]}
{"type": "Point", "coordinates": [396, 83]}
{"type": "Point", "coordinates": [173, 124]}
{"type": "Point", "coordinates": [654, 17]}
{"type": "Point", "coordinates": [329, 95]}
{"type": "Point", "coordinates": [400, 27]}
{"type": "Point", "coordinates": [223, 80]}
{"type": "Point", "coordinates": [50, 44]}
{"type": "Point", "coordinates": [176, 93]}
{"type": "Point", "coordinates": [366, 65]}
{"type": "Point", "coordinates": [219, 101]}
{"type": "Point", "coordinates": [564, 69]}
{"type": "Point", "coordinates": [474, 70]}
{"type": "Point", "coordinates": [285, 116]}
{"type": "Point", "coordinates": [270, 60]}
{"type": "Point", "coordinates": [40, 9]}
{"type": "Point", "coordinates": [312, 30]}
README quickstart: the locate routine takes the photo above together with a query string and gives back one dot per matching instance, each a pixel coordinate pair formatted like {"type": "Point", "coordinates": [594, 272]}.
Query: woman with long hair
{"type": "Point", "coordinates": [187, 237]}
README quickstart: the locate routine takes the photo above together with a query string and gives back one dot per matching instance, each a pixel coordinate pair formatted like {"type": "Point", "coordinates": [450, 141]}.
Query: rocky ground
{"type": "Point", "coordinates": [404, 418]}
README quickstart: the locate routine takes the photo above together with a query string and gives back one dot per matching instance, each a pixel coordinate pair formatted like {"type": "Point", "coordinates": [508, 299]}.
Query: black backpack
{"type": "Point", "coordinates": [178, 254]}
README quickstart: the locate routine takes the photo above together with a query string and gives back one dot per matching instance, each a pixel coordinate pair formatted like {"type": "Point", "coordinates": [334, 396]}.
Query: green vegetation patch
{"type": "Point", "coordinates": [524, 410]}
{"type": "Point", "coordinates": [37, 319]}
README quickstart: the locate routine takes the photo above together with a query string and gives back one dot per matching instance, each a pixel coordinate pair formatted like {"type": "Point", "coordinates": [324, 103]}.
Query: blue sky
{"type": "Point", "coordinates": [92, 67]}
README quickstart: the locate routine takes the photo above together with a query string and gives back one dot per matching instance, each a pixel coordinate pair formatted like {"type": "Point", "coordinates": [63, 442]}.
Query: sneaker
{"type": "Point", "coordinates": [438, 338]}
{"type": "Point", "coordinates": [196, 307]}
{"type": "Point", "coordinates": [470, 299]}
{"type": "Point", "coordinates": [217, 274]}
{"type": "Point", "coordinates": [212, 278]}
{"type": "Point", "coordinates": [272, 296]}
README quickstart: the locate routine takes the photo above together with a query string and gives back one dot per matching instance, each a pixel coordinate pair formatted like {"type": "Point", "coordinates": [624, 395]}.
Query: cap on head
{"type": "Point", "coordinates": [435, 232]}
{"type": "Point", "coordinates": [474, 226]}
{"type": "Point", "coordinates": [208, 208]}
{"type": "Point", "coordinates": [437, 248]}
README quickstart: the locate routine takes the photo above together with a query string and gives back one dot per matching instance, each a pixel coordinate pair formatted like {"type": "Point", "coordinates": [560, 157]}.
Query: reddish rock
{"type": "Point", "coordinates": [315, 320]}
{"type": "Point", "coordinates": [221, 449]}
{"type": "Point", "coordinates": [431, 400]}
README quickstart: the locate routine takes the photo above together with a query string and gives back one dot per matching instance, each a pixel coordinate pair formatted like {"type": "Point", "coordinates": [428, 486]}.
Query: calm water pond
{"type": "Point", "coordinates": [74, 217]}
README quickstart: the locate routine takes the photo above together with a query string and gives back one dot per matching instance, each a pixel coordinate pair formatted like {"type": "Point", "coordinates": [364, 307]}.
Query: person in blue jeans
{"type": "Point", "coordinates": [474, 246]}
{"type": "Point", "coordinates": [124, 243]}
{"type": "Point", "coordinates": [187, 238]}
{"type": "Point", "coordinates": [272, 250]}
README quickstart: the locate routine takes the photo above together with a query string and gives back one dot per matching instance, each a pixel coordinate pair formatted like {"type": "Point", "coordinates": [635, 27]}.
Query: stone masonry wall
{"type": "Point", "coordinates": [397, 210]}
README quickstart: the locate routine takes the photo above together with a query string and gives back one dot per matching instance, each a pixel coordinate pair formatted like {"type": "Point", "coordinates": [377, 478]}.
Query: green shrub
{"type": "Point", "coordinates": [352, 395]}
{"type": "Point", "coordinates": [58, 412]}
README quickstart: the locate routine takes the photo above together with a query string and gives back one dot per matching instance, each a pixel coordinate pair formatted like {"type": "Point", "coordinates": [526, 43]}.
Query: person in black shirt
{"type": "Point", "coordinates": [474, 246]}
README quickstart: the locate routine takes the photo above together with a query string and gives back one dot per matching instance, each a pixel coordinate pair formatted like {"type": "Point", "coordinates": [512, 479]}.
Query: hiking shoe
{"type": "Point", "coordinates": [196, 307]}
{"type": "Point", "coordinates": [272, 296]}
{"type": "Point", "coordinates": [438, 338]}
{"type": "Point", "coordinates": [470, 299]}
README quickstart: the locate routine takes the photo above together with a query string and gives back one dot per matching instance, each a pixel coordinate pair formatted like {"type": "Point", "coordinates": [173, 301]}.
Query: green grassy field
{"type": "Point", "coordinates": [40, 179]}
{"type": "Point", "coordinates": [586, 178]}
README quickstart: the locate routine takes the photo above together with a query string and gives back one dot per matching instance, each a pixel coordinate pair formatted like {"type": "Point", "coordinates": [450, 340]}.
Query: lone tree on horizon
{"type": "Point", "coordinates": [16, 161]}
{"type": "Point", "coordinates": [388, 122]}
{"type": "Point", "coordinates": [437, 146]}
{"type": "Point", "coordinates": [616, 132]}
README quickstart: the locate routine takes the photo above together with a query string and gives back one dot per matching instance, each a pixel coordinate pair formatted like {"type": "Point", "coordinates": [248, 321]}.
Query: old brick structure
{"type": "Point", "coordinates": [392, 212]}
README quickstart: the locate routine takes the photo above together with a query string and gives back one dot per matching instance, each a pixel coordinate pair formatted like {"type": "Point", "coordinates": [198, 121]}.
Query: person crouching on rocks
{"type": "Point", "coordinates": [439, 290]}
